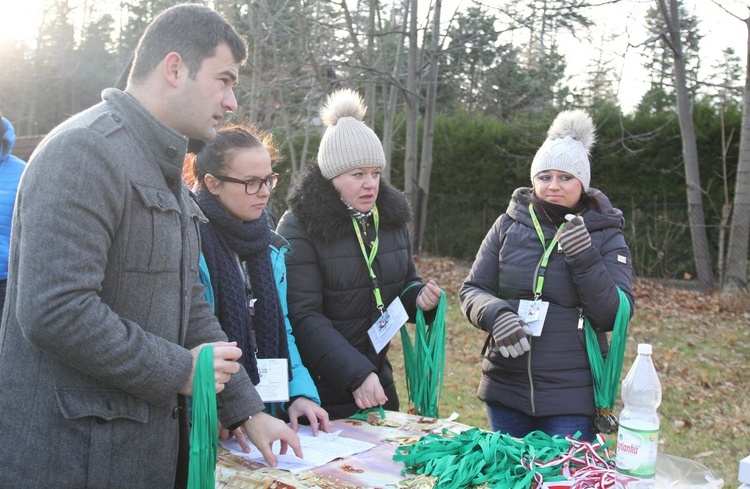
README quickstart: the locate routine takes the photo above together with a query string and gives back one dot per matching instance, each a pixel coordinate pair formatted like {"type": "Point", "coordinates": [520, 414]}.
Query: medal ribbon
{"type": "Point", "coordinates": [547, 252]}
{"type": "Point", "coordinates": [476, 457]}
{"type": "Point", "coordinates": [204, 433]}
{"type": "Point", "coordinates": [424, 361]}
{"type": "Point", "coordinates": [606, 374]}
{"type": "Point", "coordinates": [370, 257]}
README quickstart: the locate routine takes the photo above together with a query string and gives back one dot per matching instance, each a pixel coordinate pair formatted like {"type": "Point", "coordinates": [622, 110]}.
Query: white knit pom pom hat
{"type": "Point", "coordinates": [347, 143]}
{"type": "Point", "coordinates": [567, 147]}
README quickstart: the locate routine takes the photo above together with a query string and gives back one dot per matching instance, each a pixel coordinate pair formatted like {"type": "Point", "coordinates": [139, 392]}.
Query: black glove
{"type": "Point", "coordinates": [511, 334]}
{"type": "Point", "coordinates": [574, 238]}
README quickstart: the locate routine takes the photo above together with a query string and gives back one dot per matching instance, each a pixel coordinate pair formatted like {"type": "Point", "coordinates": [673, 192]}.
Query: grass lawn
{"type": "Point", "coordinates": [701, 348]}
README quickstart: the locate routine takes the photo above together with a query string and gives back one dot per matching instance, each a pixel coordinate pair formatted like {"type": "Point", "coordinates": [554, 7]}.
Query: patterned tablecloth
{"type": "Point", "coordinates": [373, 468]}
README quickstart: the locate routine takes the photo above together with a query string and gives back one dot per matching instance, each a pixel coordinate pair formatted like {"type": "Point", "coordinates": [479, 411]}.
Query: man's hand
{"type": "Point", "coordinates": [317, 416]}
{"type": "Point", "coordinates": [238, 434]}
{"type": "Point", "coordinates": [263, 429]}
{"type": "Point", "coordinates": [429, 296]}
{"type": "Point", "coordinates": [225, 364]}
{"type": "Point", "coordinates": [574, 238]}
{"type": "Point", "coordinates": [370, 394]}
{"type": "Point", "coordinates": [511, 335]}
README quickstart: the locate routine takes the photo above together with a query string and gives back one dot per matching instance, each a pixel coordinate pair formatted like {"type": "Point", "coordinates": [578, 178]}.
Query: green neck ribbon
{"type": "Point", "coordinates": [606, 374]}
{"type": "Point", "coordinates": [370, 257]}
{"type": "Point", "coordinates": [491, 459]}
{"type": "Point", "coordinates": [204, 435]}
{"type": "Point", "coordinates": [424, 361]}
{"type": "Point", "coordinates": [547, 252]}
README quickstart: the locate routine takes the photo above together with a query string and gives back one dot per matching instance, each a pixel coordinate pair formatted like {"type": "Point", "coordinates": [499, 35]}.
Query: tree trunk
{"type": "Point", "coordinates": [428, 132]}
{"type": "Point", "coordinates": [736, 277]}
{"type": "Point", "coordinates": [390, 110]}
{"type": "Point", "coordinates": [412, 118]}
{"type": "Point", "coordinates": [701, 255]}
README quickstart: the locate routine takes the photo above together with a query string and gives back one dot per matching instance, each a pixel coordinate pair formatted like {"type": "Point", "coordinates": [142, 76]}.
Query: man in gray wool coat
{"type": "Point", "coordinates": [104, 316]}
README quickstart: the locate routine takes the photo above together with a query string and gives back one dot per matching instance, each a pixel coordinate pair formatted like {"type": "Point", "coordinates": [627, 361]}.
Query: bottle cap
{"type": "Point", "coordinates": [644, 349]}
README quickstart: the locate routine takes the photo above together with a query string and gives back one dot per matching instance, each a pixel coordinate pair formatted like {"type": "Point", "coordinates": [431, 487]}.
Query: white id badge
{"type": "Point", "coordinates": [274, 379]}
{"type": "Point", "coordinates": [533, 314]}
{"type": "Point", "coordinates": [387, 325]}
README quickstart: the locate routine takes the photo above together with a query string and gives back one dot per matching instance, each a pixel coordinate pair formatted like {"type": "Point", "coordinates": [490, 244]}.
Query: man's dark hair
{"type": "Point", "coordinates": [194, 31]}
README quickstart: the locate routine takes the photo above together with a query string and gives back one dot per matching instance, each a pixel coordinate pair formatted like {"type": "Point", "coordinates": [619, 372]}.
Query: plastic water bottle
{"type": "Point", "coordinates": [638, 433]}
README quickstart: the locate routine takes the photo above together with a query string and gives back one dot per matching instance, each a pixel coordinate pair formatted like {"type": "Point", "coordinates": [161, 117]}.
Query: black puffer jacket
{"type": "Point", "coordinates": [330, 293]}
{"type": "Point", "coordinates": [553, 378]}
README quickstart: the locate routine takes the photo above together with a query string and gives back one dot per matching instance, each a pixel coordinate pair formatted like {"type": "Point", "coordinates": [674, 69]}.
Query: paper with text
{"type": "Point", "coordinates": [317, 450]}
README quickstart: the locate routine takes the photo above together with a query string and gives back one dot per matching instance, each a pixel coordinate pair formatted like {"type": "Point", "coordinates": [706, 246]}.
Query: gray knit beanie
{"type": "Point", "coordinates": [569, 139]}
{"type": "Point", "coordinates": [347, 143]}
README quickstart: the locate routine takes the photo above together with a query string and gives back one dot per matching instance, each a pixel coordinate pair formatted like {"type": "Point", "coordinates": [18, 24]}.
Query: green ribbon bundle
{"type": "Point", "coordinates": [204, 433]}
{"type": "Point", "coordinates": [424, 361]}
{"type": "Point", "coordinates": [475, 457]}
{"type": "Point", "coordinates": [606, 374]}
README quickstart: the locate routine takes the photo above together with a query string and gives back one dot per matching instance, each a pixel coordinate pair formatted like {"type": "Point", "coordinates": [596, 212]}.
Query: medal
{"type": "Point", "coordinates": [604, 421]}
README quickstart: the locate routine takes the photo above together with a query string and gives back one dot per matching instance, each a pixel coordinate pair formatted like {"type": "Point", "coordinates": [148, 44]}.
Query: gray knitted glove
{"type": "Point", "coordinates": [511, 334]}
{"type": "Point", "coordinates": [574, 237]}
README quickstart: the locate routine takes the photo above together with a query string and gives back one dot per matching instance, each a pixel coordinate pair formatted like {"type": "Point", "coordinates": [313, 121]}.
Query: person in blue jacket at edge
{"type": "Point", "coordinates": [11, 168]}
{"type": "Point", "coordinates": [242, 264]}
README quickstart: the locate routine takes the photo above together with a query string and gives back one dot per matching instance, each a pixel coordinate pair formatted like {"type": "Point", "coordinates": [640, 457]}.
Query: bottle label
{"type": "Point", "coordinates": [637, 449]}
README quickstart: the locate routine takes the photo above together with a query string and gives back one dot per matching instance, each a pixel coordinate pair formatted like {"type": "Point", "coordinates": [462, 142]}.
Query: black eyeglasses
{"type": "Point", "coordinates": [253, 185]}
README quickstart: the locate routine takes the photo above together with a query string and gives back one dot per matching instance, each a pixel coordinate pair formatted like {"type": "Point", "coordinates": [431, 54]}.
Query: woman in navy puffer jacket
{"type": "Point", "coordinates": [11, 169]}
{"type": "Point", "coordinates": [555, 256]}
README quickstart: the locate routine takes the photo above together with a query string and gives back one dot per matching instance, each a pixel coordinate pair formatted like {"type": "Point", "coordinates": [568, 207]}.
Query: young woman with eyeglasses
{"type": "Point", "coordinates": [244, 267]}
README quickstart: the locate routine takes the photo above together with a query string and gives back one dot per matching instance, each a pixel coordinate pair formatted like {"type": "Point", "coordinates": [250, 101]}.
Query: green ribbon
{"type": "Point", "coordinates": [424, 361]}
{"type": "Point", "coordinates": [475, 457]}
{"type": "Point", "coordinates": [362, 413]}
{"type": "Point", "coordinates": [204, 433]}
{"type": "Point", "coordinates": [606, 374]}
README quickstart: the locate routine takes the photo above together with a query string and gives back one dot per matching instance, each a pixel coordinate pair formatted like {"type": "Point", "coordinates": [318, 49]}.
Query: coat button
{"type": "Point", "coordinates": [171, 151]}
{"type": "Point", "coordinates": [176, 412]}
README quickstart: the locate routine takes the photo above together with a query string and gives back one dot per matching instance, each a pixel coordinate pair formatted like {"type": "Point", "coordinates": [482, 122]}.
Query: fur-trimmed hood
{"type": "Point", "coordinates": [317, 204]}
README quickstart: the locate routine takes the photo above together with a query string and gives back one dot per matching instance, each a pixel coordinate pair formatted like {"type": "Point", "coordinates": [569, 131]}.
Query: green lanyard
{"type": "Point", "coordinates": [547, 252]}
{"type": "Point", "coordinates": [370, 257]}
{"type": "Point", "coordinates": [424, 361]}
{"type": "Point", "coordinates": [606, 373]}
{"type": "Point", "coordinates": [475, 457]}
{"type": "Point", "coordinates": [204, 433]}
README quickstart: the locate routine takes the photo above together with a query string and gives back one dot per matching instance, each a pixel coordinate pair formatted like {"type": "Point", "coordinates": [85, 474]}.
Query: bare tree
{"type": "Point", "coordinates": [428, 131]}
{"type": "Point", "coordinates": [393, 91]}
{"type": "Point", "coordinates": [701, 256]}
{"type": "Point", "coordinates": [412, 102]}
{"type": "Point", "coordinates": [736, 275]}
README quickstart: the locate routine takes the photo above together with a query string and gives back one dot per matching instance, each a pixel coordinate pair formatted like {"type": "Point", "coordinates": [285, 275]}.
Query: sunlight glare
{"type": "Point", "coordinates": [19, 20]}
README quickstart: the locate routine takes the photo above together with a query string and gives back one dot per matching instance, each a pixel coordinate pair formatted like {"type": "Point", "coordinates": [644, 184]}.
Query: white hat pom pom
{"type": "Point", "coordinates": [342, 103]}
{"type": "Point", "coordinates": [576, 124]}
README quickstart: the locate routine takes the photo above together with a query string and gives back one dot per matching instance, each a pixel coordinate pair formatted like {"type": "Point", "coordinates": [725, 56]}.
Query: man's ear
{"type": "Point", "coordinates": [174, 68]}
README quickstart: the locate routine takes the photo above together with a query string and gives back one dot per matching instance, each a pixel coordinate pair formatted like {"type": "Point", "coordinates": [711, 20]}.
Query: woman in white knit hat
{"type": "Point", "coordinates": [555, 256]}
{"type": "Point", "coordinates": [351, 259]}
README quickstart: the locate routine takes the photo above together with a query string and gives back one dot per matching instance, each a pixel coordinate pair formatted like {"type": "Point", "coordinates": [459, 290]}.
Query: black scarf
{"type": "Point", "coordinates": [222, 237]}
{"type": "Point", "coordinates": [555, 213]}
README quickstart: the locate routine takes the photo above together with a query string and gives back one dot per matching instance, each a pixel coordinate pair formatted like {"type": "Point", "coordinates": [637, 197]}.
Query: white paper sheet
{"type": "Point", "coordinates": [317, 450]}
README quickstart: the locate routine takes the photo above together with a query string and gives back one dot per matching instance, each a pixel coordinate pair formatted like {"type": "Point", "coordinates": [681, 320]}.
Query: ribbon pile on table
{"type": "Point", "coordinates": [476, 457]}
